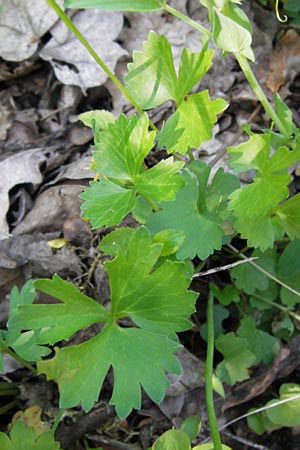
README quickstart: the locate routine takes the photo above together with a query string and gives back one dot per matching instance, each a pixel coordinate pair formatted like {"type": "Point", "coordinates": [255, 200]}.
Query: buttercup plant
{"type": "Point", "coordinates": [181, 215]}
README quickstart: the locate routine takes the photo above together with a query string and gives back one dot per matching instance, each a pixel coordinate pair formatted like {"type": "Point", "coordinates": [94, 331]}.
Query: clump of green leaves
{"type": "Point", "coordinates": [181, 212]}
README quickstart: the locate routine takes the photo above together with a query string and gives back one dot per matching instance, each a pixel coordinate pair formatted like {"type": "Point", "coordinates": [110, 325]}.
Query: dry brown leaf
{"type": "Point", "coordinates": [284, 61]}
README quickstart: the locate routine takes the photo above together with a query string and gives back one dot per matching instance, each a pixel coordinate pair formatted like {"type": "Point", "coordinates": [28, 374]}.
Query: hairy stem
{"type": "Point", "coordinates": [65, 18]}
{"type": "Point", "coordinates": [209, 374]}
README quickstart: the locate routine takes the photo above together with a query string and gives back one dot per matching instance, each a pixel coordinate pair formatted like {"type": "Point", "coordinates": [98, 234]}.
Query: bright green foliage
{"type": "Point", "coordinates": [171, 240]}
{"type": "Point", "coordinates": [180, 132]}
{"type": "Point", "coordinates": [264, 346]}
{"type": "Point", "coordinates": [119, 155]}
{"type": "Point", "coordinates": [157, 301]}
{"type": "Point", "coordinates": [286, 414]}
{"type": "Point", "coordinates": [152, 78]}
{"type": "Point", "coordinates": [25, 344]}
{"type": "Point", "coordinates": [210, 446]}
{"type": "Point", "coordinates": [198, 210]}
{"type": "Point", "coordinates": [237, 358]}
{"type": "Point", "coordinates": [117, 5]}
{"type": "Point", "coordinates": [23, 438]}
{"type": "Point", "coordinates": [255, 204]}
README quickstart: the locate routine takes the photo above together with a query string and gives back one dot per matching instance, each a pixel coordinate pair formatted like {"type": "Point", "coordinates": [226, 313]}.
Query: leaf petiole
{"type": "Point", "coordinates": [209, 374]}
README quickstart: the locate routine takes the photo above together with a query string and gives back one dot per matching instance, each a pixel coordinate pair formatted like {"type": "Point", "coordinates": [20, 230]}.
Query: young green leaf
{"type": "Point", "coordinates": [23, 438]}
{"type": "Point", "coordinates": [237, 358]}
{"type": "Point", "coordinates": [152, 79]}
{"type": "Point", "coordinates": [180, 132]}
{"type": "Point", "coordinates": [199, 211]}
{"type": "Point", "coordinates": [191, 426]}
{"type": "Point", "coordinates": [25, 344]}
{"type": "Point", "coordinates": [231, 36]}
{"type": "Point", "coordinates": [119, 158]}
{"type": "Point", "coordinates": [117, 5]}
{"type": "Point", "coordinates": [256, 204]}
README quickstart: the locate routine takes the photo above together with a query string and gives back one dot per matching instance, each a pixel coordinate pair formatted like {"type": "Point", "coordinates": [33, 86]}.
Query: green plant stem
{"type": "Point", "coordinates": [57, 420]}
{"type": "Point", "coordinates": [276, 305]}
{"type": "Point", "coordinates": [20, 360]}
{"type": "Point", "coordinates": [153, 205]}
{"type": "Point", "coordinates": [66, 19]}
{"type": "Point", "coordinates": [246, 68]}
{"type": "Point", "coordinates": [209, 374]}
{"type": "Point", "coordinates": [187, 20]}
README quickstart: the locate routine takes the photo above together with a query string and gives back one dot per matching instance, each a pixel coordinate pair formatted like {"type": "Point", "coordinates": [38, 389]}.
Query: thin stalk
{"type": "Point", "coordinates": [57, 420]}
{"type": "Point", "coordinates": [187, 20]}
{"type": "Point", "coordinates": [20, 360]}
{"type": "Point", "coordinates": [209, 375]}
{"type": "Point", "coordinates": [66, 19]}
{"type": "Point", "coordinates": [153, 204]}
{"type": "Point", "coordinates": [276, 305]}
{"type": "Point", "coordinates": [265, 272]}
{"type": "Point", "coordinates": [190, 153]}
{"type": "Point", "coordinates": [248, 72]}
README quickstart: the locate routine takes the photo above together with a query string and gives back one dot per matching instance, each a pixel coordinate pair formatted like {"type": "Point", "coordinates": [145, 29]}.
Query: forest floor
{"type": "Point", "coordinates": [45, 154]}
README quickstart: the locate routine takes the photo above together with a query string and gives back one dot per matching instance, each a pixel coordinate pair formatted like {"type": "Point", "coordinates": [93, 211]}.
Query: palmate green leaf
{"type": "Point", "coordinates": [106, 203]}
{"type": "Point", "coordinates": [157, 300]}
{"type": "Point", "coordinates": [25, 344]}
{"type": "Point", "coordinates": [289, 272]}
{"type": "Point", "coordinates": [152, 79]}
{"type": "Point", "coordinates": [199, 211]}
{"type": "Point", "coordinates": [256, 204]}
{"type": "Point", "coordinates": [117, 5]}
{"type": "Point", "coordinates": [138, 357]}
{"type": "Point", "coordinates": [180, 132]}
{"type": "Point", "coordinates": [237, 358]}
{"type": "Point", "coordinates": [24, 438]}
{"type": "Point", "coordinates": [263, 345]}
{"type": "Point", "coordinates": [119, 156]}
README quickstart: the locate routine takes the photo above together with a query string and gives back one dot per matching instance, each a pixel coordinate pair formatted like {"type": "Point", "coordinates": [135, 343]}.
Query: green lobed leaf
{"type": "Point", "coordinates": [237, 358]}
{"type": "Point", "coordinates": [199, 211]}
{"type": "Point", "coordinates": [58, 321]}
{"type": "Point", "coordinates": [117, 5]}
{"type": "Point", "coordinates": [98, 120]}
{"type": "Point", "coordinates": [285, 114]}
{"type": "Point", "coordinates": [134, 287]}
{"type": "Point", "coordinates": [106, 203]}
{"type": "Point", "coordinates": [24, 438]}
{"type": "Point", "coordinates": [250, 279]}
{"type": "Point", "coordinates": [180, 132]}
{"type": "Point", "coordinates": [152, 79]}
{"type": "Point", "coordinates": [157, 300]}
{"type": "Point", "coordinates": [263, 345]}
{"type": "Point", "coordinates": [25, 344]}
{"type": "Point", "coordinates": [138, 357]}
{"type": "Point", "coordinates": [119, 158]}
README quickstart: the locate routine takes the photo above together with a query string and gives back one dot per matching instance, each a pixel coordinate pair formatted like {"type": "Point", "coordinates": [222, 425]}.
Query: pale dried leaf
{"type": "Point", "coordinates": [18, 169]}
{"type": "Point", "coordinates": [71, 61]}
{"type": "Point", "coordinates": [22, 23]}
